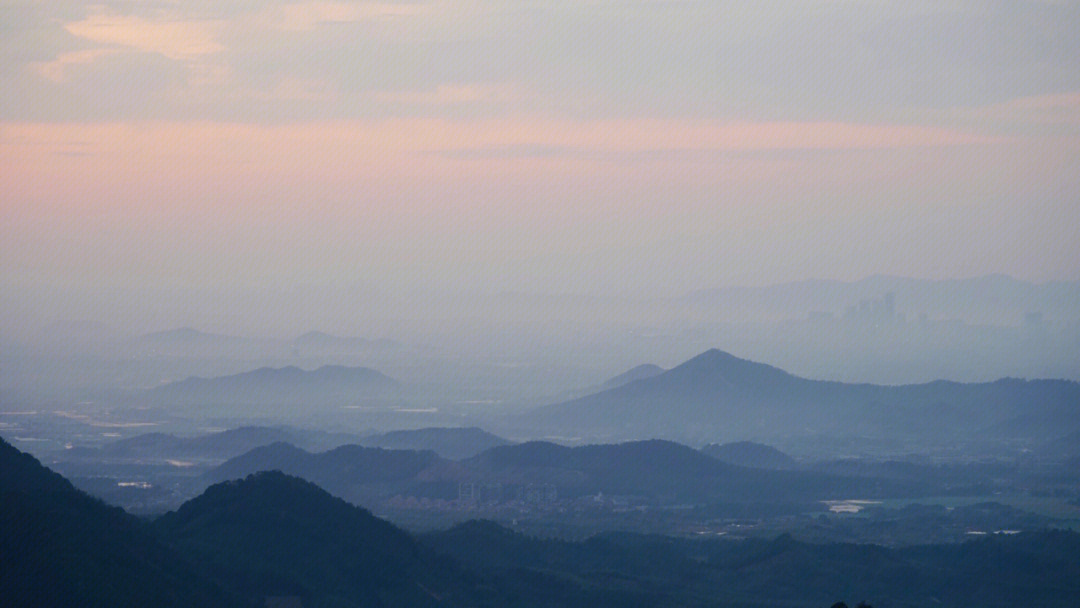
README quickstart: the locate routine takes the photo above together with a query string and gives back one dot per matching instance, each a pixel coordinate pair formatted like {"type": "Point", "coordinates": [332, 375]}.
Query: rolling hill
{"type": "Point", "coordinates": [272, 535]}
{"type": "Point", "coordinates": [665, 471]}
{"type": "Point", "coordinates": [270, 539]}
{"type": "Point", "coordinates": [356, 473]}
{"type": "Point", "coordinates": [658, 472]}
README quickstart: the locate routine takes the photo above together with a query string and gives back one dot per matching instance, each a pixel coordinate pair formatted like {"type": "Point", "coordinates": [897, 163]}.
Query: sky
{"type": "Point", "coordinates": [164, 159]}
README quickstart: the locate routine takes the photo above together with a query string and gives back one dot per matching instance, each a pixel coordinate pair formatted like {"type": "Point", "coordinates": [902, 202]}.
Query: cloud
{"type": "Point", "coordinates": [175, 39]}
{"type": "Point", "coordinates": [57, 69]}
{"type": "Point", "coordinates": [822, 61]}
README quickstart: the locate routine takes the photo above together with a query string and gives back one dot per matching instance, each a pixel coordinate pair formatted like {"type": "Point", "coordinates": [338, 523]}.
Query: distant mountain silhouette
{"type": "Point", "coordinates": [448, 442]}
{"type": "Point", "coordinates": [716, 395]}
{"type": "Point", "coordinates": [750, 454]}
{"type": "Point", "coordinates": [317, 341]}
{"type": "Point", "coordinates": [656, 468]}
{"type": "Point", "coordinates": [221, 445]}
{"type": "Point", "coordinates": [189, 342]}
{"type": "Point", "coordinates": [328, 385]}
{"type": "Point", "coordinates": [62, 548]}
{"type": "Point", "coordinates": [354, 472]}
{"type": "Point", "coordinates": [640, 372]}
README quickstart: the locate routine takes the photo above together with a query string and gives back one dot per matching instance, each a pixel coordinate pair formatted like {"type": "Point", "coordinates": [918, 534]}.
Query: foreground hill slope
{"type": "Point", "coordinates": [59, 547]}
{"type": "Point", "coordinates": [275, 535]}
{"type": "Point", "coordinates": [1030, 569]}
{"type": "Point", "coordinates": [716, 395]}
{"type": "Point", "coordinates": [271, 538]}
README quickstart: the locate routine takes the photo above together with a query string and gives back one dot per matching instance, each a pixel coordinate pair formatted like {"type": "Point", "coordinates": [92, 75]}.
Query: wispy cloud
{"type": "Point", "coordinates": [426, 147]}
{"type": "Point", "coordinates": [175, 39]}
{"type": "Point", "coordinates": [58, 70]}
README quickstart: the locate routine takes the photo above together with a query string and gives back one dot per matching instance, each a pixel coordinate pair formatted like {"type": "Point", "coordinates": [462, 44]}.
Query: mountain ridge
{"type": "Point", "coordinates": [717, 396]}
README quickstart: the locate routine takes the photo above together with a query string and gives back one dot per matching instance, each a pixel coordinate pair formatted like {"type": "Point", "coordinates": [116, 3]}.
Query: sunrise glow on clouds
{"type": "Point", "coordinates": [539, 127]}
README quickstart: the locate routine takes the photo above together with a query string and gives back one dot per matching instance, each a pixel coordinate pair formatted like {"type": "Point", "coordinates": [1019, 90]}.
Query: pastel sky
{"type": "Point", "coordinates": [641, 148]}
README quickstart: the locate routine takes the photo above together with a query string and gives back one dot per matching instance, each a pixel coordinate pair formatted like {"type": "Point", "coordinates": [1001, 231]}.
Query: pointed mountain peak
{"type": "Point", "coordinates": [715, 363]}
{"type": "Point", "coordinates": [715, 354]}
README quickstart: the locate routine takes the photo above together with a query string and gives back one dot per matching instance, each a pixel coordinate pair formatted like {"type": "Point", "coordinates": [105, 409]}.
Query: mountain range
{"type": "Point", "coordinates": [274, 540]}
{"type": "Point", "coordinates": [717, 396]}
{"type": "Point", "coordinates": [655, 471]}
{"type": "Point", "coordinates": [453, 443]}
{"type": "Point", "coordinates": [211, 446]}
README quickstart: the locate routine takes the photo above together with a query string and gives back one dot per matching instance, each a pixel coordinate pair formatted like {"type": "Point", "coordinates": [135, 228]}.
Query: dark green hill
{"type": "Point", "coordinates": [275, 535]}
{"type": "Point", "coordinates": [59, 547]}
{"type": "Point", "coordinates": [1030, 569]}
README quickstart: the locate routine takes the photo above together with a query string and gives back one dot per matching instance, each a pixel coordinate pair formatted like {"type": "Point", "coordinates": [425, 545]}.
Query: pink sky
{"type": "Point", "coordinates": [645, 148]}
